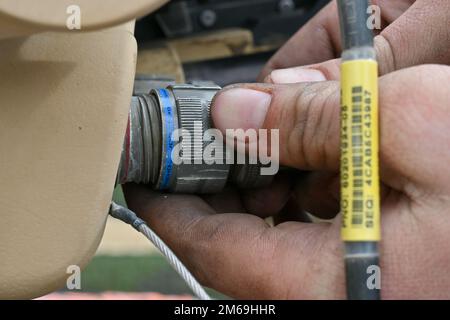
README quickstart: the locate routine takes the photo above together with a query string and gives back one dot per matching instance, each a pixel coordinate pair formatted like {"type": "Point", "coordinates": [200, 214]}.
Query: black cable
{"type": "Point", "coordinates": [359, 258]}
{"type": "Point", "coordinates": [353, 20]}
{"type": "Point", "coordinates": [361, 251]}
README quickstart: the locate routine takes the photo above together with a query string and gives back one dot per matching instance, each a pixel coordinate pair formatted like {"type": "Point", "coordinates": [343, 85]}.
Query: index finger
{"type": "Point", "coordinates": [317, 41]}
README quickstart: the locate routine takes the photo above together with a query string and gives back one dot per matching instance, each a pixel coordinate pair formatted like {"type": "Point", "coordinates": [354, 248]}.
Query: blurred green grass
{"type": "Point", "coordinates": [150, 273]}
{"type": "Point", "coordinates": [118, 196]}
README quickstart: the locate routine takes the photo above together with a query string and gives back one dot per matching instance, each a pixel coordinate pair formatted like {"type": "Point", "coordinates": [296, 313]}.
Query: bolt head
{"type": "Point", "coordinates": [208, 18]}
{"type": "Point", "coordinates": [286, 6]}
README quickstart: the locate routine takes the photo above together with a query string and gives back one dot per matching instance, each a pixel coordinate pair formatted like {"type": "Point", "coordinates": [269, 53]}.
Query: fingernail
{"type": "Point", "coordinates": [297, 74]}
{"type": "Point", "coordinates": [240, 108]}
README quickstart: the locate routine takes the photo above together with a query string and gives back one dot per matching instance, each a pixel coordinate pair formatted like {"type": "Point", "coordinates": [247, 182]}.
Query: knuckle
{"type": "Point", "coordinates": [385, 54]}
{"type": "Point", "coordinates": [314, 122]}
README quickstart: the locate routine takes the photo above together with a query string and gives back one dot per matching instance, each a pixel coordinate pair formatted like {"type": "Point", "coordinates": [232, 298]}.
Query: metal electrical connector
{"type": "Point", "coordinates": [150, 147]}
{"type": "Point", "coordinates": [159, 123]}
{"type": "Point", "coordinates": [360, 199]}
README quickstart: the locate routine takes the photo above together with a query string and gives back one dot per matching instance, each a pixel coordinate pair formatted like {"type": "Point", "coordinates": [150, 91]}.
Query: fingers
{"type": "Point", "coordinates": [318, 194]}
{"type": "Point", "coordinates": [262, 202]}
{"type": "Point", "coordinates": [286, 199]}
{"type": "Point", "coordinates": [414, 129]}
{"type": "Point", "coordinates": [248, 201]}
{"type": "Point", "coordinates": [306, 115]}
{"type": "Point", "coordinates": [159, 209]}
{"type": "Point", "coordinates": [317, 41]}
{"type": "Point", "coordinates": [421, 35]}
{"type": "Point", "coordinates": [411, 39]}
{"type": "Point", "coordinates": [391, 10]}
{"type": "Point", "coordinates": [239, 254]}
{"type": "Point", "coordinates": [229, 200]}
{"type": "Point", "coordinates": [328, 70]}
{"type": "Point", "coordinates": [268, 201]}
{"type": "Point", "coordinates": [292, 211]}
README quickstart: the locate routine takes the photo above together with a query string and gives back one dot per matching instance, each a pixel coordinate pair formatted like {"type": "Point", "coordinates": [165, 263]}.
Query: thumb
{"type": "Point", "coordinates": [306, 115]}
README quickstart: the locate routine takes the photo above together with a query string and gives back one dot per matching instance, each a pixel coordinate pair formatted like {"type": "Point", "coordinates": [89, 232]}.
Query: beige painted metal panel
{"type": "Point", "coordinates": [26, 16]}
{"type": "Point", "coordinates": [64, 100]}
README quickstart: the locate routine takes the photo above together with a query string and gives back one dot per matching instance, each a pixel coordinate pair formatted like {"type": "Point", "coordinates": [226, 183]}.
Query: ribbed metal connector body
{"type": "Point", "coordinates": [194, 175]}
{"type": "Point", "coordinates": [168, 144]}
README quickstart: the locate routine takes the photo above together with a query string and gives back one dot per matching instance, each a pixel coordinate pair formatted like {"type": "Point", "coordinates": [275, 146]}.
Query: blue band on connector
{"type": "Point", "coordinates": [168, 112]}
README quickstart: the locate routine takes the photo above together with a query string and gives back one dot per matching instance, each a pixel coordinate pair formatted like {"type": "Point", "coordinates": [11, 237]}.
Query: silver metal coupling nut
{"type": "Point", "coordinates": [156, 151]}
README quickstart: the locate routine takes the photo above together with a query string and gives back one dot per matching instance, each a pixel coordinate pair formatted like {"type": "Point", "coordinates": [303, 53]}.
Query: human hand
{"type": "Point", "coordinates": [412, 33]}
{"type": "Point", "coordinates": [243, 257]}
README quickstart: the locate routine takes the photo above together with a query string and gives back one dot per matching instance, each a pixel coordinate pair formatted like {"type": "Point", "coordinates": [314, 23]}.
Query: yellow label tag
{"type": "Point", "coordinates": [360, 185]}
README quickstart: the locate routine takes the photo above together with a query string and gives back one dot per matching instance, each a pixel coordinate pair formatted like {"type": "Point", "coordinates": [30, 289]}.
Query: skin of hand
{"type": "Point", "coordinates": [240, 255]}
{"type": "Point", "coordinates": [412, 33]}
